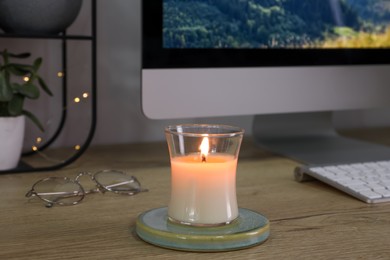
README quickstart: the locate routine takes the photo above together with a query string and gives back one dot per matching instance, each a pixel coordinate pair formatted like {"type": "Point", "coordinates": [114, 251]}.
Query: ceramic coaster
{"type": "Point", "coordinates": [249, 229]}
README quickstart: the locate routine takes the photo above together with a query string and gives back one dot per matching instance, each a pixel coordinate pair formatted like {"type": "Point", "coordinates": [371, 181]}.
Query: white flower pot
{"type": "Point", "coordinates": [11, 141]}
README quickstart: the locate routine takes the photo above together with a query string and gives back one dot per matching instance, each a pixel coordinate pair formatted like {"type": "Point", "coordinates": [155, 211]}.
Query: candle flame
{"type": "Point", "coordinates": [204, 148]}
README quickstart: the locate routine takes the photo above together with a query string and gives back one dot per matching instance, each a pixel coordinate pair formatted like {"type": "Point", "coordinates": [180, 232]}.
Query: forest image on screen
{"type": "Point", "coordinates": [240, 24]}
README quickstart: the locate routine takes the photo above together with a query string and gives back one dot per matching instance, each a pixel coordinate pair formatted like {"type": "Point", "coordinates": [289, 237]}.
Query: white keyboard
{"type": "Point", "coordinates": [369, 182]}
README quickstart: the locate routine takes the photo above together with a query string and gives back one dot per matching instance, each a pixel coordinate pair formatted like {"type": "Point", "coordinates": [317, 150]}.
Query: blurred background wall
{"type": "Point", "coordinates": [120, 118]}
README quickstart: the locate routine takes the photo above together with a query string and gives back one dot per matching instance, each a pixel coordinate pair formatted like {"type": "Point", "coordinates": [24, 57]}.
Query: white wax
{"type": "Point", "coordinates": [203, 192]}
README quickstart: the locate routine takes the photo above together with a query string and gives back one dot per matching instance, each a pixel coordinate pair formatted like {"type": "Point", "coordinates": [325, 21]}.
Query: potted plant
{"type": "Point", "coordinates": [13, 91]}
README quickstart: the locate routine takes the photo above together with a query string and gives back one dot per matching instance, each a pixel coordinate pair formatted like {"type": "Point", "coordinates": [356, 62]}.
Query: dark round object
{"type": "Point", "coordinates": [38, 16]}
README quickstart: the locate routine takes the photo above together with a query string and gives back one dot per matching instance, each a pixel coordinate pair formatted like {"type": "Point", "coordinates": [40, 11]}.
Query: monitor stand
{"type": "Point", "coordinates": [310, 138]}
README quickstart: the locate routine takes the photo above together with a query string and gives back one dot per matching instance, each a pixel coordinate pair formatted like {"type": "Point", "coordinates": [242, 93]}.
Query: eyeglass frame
{"type": "Point", "coordinates": [98, 189]}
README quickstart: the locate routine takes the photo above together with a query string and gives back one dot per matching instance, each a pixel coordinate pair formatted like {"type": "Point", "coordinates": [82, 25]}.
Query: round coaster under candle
{"type": "Point", "coordinates": [249, 229]}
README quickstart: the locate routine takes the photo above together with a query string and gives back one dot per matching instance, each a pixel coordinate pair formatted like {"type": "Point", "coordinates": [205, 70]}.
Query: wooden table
{"type": "Point", "coordinates": [308, 220]}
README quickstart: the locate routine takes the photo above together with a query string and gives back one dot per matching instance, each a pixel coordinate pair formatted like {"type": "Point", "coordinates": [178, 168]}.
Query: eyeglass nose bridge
{"type": "Point", "coordinates": [98, 187]}
{"type": "Point", "coordinates": [81, 174]}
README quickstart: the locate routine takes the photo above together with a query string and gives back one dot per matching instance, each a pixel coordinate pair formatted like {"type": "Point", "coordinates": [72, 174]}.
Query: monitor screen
{"type": "Point", "coordinates": [209, 58]}
{"type": "Point", "coordinates": [275, 24]}
{"type": "Point", "coordinates": [202, 33]}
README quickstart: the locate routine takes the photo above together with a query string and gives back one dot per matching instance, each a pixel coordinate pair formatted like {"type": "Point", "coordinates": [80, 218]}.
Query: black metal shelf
{"type": "Point", "coordinates": [63, 37]}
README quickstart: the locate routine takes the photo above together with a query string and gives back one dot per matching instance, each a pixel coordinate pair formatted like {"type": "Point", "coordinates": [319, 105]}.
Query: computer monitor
{"type": "Point", "coordinates": [290, 63]}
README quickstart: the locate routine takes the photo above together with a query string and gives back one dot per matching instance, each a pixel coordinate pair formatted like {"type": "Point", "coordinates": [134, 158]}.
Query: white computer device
{"type": "Point", "coordinates": [227, 58]}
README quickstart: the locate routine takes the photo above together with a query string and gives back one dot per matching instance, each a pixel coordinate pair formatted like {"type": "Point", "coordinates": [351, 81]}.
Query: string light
{"type": "Point", "coordinates": [38, 140]}
{"type": "Point", "coordinates": [85, 95]}
{"type": "Point", "coordinates": [35, 149]}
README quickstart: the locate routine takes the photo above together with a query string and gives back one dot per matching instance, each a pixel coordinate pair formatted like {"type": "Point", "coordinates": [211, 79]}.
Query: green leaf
{"type": "Point", "coordinates": [5, 87]}
{"type": "Point", "coordinates": [5, 56]}
{"type": "Point", "coordinates": [16, 87]}
{"type": "Point", "coordinates": [34, 119]}
{"type": "Point", "coordinates": [37, 64]}
{"type": "Point", "coordinates": [28, 90]}
{"type": "Point", "coordinates": [44, 86]}
{"type": "Point", "coordinates": [20, 55]}
{"type": "Point", "coordinates": [12, 95]}
{"type": "Point", "coordinates": [19, 69]}
{"type": "Point", "coordinates": [15, 106]}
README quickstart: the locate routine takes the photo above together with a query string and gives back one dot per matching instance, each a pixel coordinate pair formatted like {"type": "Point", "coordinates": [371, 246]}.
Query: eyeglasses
{"type": "Point", "coordinates": [65, 191]}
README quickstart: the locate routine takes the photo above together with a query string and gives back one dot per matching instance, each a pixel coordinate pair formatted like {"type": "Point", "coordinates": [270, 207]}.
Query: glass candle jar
{"type": "Point", "coordinates": [203, 173]}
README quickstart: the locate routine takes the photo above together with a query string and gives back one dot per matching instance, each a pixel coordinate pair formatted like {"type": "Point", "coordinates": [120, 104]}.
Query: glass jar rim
{"type": "Point", "coordinates": [199, 130]}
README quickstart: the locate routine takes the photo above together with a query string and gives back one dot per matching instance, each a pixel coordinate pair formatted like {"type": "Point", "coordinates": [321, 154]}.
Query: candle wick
{"type": "Point", "coordinates": [203, 158]}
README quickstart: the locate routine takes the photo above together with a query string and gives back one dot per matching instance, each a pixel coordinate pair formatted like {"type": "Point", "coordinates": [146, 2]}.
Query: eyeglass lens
{"type": "Point", "coordinates": [62, 191]}
{"type": "Point", "coordinates": [116, 181]}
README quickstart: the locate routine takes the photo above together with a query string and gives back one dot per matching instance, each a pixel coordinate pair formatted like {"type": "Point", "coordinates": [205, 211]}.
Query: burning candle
{"type": "Point", "coordinates": [203, 173]}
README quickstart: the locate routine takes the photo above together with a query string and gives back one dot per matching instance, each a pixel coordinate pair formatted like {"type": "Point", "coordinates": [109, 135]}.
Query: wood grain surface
{"type": "Point", "coordinates": [308, 220]}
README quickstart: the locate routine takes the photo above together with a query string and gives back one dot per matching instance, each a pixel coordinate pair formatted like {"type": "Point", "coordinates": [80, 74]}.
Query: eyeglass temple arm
{"type": "Point", "coordinates": [98, 189]}
{"type": "Point", "coordinates": [50, 204]}
{"type": "Point", "coordinates": [133, 179]}
{"type": "Point", "coordinates": [120, 183]}
{"type": "Point", "coordinates": [69, 193]}
{"type": "Point", "coordinates": [65, 193]}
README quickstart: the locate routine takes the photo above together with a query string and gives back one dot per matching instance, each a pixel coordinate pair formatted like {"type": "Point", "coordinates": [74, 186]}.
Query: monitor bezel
{"type": "Point", "coordinates": [154, 55]}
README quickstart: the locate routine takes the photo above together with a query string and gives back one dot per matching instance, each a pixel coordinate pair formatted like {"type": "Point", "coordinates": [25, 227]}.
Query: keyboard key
{"type": "Point", "coordinates": [359, 187]}
{"type": "Point", "coordinates": [370, 194]}
{"type": "Point", "coordinates": [384, 192]}
{"type": "Point", "coordinates": [350, 182]}
{"type": "Point", "coordinates": [375, 186]}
